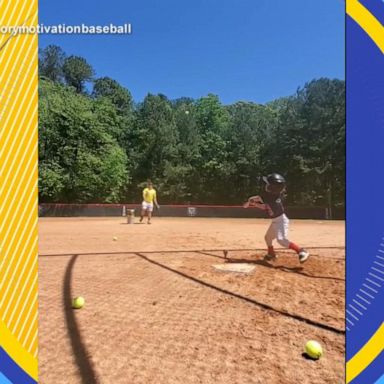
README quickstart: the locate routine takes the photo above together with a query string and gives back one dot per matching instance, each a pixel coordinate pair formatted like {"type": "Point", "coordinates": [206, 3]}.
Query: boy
{"type": "Point", "coordinates": [270, 200]}
{"type": "Point", "coordinates": [149, 197]}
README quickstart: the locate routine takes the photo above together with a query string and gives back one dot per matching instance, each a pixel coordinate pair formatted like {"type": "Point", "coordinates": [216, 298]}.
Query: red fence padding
{"type": "Point", "coordinates": [198, 210]}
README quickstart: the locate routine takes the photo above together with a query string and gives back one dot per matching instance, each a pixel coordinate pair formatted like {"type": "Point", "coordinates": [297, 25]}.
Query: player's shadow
{"type": "Point", "coordinates": [263, 263]}
{"type": "Point", "coordinates": [86, 369]}
{"type": "Point", "coordinates": [297, 270]}
{"type": "Point", "coordinates": [239, 296]}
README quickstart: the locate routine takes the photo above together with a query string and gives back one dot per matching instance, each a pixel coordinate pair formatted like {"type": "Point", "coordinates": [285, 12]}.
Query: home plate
{"type": "Point", "coordinates": [234, 267]}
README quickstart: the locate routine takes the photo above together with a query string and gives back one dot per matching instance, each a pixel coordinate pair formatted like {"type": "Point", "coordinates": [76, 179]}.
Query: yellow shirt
{"type": "Point", "coordinates": [149, 195]}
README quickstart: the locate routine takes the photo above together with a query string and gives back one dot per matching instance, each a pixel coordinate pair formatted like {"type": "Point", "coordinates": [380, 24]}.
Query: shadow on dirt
{"type": "Point", "coordinates": [307, 357]}
{"type": "Point", "coordinates": [86, 370]}
{"type": "Point", "coordinates": [297, 270]}
{"type": "Point", "coordinates": [261, 262]}
{"type": "Point", "coordinates": [244, 298]}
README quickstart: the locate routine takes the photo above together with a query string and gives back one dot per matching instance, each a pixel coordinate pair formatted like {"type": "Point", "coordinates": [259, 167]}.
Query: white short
{"type": "Point", "coordinates": [147, 206]}
{"type": "Point", "coordinates": [279, 230]}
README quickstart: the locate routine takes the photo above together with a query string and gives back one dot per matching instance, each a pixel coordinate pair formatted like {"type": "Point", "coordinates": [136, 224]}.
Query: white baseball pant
{"type": "Point", "coordinates": [278, 230]}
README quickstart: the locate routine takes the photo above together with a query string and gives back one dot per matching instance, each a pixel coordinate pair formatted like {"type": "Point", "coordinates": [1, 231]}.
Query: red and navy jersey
{"type": "Point", "coordinates": [274, 203]}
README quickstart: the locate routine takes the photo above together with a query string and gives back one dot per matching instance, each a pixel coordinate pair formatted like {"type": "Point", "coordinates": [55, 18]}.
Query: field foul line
{"type": "Point", "coordinates": [187, 251]}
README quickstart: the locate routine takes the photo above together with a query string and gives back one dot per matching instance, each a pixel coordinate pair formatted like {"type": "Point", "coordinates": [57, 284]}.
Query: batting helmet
{"type": "Point", "coordinates": [275, 182]}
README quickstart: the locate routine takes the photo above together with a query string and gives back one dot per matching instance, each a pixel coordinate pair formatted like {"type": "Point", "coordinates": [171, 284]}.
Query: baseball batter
{"type": "Point", "coordinates": [270, 200]}
{"type": "Point", "coordinates": [149, 198]}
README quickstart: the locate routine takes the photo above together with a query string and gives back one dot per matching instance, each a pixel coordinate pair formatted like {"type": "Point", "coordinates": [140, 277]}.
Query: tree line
{"type": "Point", "coordinates": [97, 145]}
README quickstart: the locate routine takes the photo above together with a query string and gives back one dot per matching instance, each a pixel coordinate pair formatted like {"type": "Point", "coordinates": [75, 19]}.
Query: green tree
{"type": "Point", "coordinates": [153, 140]}
{"type": "Point", "coordinates": [309, 142]}
{"type": "Point", "coordinates": [211, 115]}
{"type": "Point", "coordinates": [211, 167]}
{"type": "Point", "coordinates": [51, 62]}
{"type": "Point", "coordinates": [181, 175]}
{"type": "Point", "coordinates": [112, 90]}
{"type": "Point", "coordinates": [252, 126]}
{"type": "Point", "coordinates": [51, 180]}
{"type": "Point", "coordinates": [102, 147]}
{"type": "Point", "coordinates": [77, 72]}
{"type": "Point", "coordinates": [80, 160]}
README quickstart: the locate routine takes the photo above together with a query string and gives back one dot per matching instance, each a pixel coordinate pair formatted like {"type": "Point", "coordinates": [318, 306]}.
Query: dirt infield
{"type": "Point", "coordinates": [158, 312]}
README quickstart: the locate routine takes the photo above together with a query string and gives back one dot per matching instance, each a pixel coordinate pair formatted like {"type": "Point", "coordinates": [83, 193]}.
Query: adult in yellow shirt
{"type": "Point", "coordinates": [149, 198]}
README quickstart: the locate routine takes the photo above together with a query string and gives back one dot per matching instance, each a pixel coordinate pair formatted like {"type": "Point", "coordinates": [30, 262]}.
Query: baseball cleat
{"type": "Point", "coordinates": [303, 255]}
{"type": "Point", "coordinates": [270, 257]}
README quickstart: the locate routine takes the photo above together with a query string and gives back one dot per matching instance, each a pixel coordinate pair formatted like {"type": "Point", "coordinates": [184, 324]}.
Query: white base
{"type": "Point", "coordinates": [234, 267]}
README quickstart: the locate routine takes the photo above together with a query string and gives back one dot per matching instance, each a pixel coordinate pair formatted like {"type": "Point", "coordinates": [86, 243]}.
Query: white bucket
{"type": "Point", "coordinates": [130, 216]}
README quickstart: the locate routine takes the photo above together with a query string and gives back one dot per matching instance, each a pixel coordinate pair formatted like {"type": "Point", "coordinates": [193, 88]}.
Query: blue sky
{"type": "Point", "coordinates": [253, 50]}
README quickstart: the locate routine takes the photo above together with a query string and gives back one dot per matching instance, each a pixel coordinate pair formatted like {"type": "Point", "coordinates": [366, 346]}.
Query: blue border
{"type": "Point", "coordinates": [11, 372]}
{"type": "Point", "coordinates": [3, 379]}
{"type": "Point", "coordinates": [365, 207]}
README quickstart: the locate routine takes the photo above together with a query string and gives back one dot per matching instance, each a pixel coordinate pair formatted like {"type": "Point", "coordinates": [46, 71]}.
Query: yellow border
{"type": "Point", "coordinates": [367, 22]}
{"type": "Point", "coordinates": [18, 186]}
{"type": "Point", "coordinates": [17, 353]}
{"type": "Point", "coordinates": [366, 355]}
